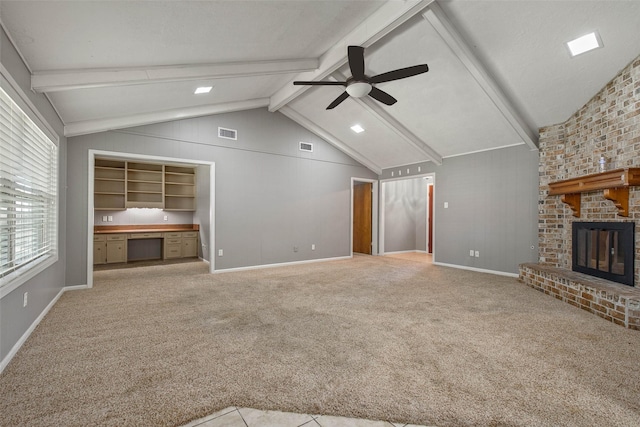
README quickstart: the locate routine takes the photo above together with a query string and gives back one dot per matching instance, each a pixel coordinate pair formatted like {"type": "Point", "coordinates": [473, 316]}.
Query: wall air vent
{"type": "Point", "coordinates": [306, 146]}
{"type": "Point", "coordinates": [227, 133]}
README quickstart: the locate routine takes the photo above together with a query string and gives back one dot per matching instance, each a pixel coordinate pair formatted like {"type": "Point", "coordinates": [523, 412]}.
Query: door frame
{"type": "Point", "coordinates": [374, 214]}
{"type": "Point", "coordinates": [382, 205]}
{"type": "Point", "coordinates": [92, 153]}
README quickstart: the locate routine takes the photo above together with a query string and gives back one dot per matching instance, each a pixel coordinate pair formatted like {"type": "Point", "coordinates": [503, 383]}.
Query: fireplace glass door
{"type": "Point", "coordinates": [604, 250]}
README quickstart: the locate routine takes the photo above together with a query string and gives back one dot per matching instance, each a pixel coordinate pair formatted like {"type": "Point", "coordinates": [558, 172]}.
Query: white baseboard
{"type": "Point", "coordinates": [75, 288]}
{"type": "Point", "coordinates": [28, 332]}
{"type": "Point", "coordinates": [282, 264]}
{"type": "Point", "coordinates": [401, 252]}
{"type": "Point", "coordinates": [479, 270]}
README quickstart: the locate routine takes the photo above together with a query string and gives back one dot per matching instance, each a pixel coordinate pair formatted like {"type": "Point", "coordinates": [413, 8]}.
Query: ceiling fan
{"type": "Point", "coordinates": [359, 84]}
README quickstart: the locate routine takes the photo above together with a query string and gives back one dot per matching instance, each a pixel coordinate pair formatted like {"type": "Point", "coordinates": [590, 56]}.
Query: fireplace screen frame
{"type": "Point", "coordinates": [593, 256]}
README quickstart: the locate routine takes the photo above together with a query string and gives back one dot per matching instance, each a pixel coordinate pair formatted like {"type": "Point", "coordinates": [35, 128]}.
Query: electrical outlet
{"type": "Point", "coordinates": [25, 299]}
{"type": "Point", "coordinates": [166, 218]}
{"type": "Point", "coordinates": [104, 218]}
{"type": "Point", "coordinates": [419, 169]}
{"type": "Point", "coordinates": [477, 254]}
{"type": "Point", "coordinates": [110, 218]}
{"type": "Point", "coordinates": [313, 247]}
{"type": "Point", "coordinates": [470, 252]}
{"type": "Point", "coordinates": [446, 205]}
{"type": "Point", "coordinates": [220, 252]}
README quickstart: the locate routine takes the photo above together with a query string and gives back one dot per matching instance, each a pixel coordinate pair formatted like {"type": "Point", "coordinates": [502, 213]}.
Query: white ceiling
{"type": "Point", "coordinates": [498, 70]}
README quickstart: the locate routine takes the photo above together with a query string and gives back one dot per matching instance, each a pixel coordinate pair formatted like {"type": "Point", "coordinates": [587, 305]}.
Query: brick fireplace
{"type": "Point", "coordinates": [608, 125]}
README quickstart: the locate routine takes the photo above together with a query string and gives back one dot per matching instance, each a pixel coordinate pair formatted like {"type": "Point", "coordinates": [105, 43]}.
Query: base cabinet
{"type": "Point", "coordinates": [189, 245]}
{"type": "Point", "coordinates": [99, 252]}
{"type": "Point", "coordinates": [112, 248]}
{"type": "Point", "coordinates": [180, 244]}
{"type": "Point", "coordinates": [172, 245]}
{"type": "Point", "coordinates": [109, 249]}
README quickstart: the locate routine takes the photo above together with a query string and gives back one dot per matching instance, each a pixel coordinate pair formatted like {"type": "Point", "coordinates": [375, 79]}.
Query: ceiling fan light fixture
{"type": "Point", "coordinates": [359, 89]}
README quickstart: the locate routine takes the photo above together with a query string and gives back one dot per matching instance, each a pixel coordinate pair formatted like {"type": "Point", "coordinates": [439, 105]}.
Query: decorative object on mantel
{"type": "Point", "coordinates": [615, 184]}
{"type": "Point", "coordinates": [603, 164]}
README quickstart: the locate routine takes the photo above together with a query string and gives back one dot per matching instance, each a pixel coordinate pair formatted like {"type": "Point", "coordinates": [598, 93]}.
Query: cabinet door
{"type": "Point", "coordinates": [116, 251]}
{"type": "Point", "coordinates": [99, 253]}
{"type": "Point", "coordinates": [189, 247]}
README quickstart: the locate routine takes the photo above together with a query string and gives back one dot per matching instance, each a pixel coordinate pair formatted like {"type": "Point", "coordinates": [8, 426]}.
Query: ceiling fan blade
{"type": "Point", "coordinates": [382, 96]}
{"type": "Point", "coordinates": [338, 100]}
{"type": "Point", "coordinates": [320, 83]}
{"type": "Point", "coordinates": [356, 61]}
{"type": "Point", "coordinates": [401, 73]}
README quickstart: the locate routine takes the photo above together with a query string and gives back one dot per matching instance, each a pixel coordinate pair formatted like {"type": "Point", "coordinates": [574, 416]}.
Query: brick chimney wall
{"type": "Point", "coordinates": [609, 125]}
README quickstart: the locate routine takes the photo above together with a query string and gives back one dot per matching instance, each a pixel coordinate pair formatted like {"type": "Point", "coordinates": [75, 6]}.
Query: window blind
{"type": "Point", "coordinates": [28, 192]}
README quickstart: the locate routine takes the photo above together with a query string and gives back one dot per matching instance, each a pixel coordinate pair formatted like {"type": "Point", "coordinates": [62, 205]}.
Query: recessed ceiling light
{"type": "Point", "coordinates": [357, 128]}
{"type": "Point", "coordinates": [584, 44]}
{"type": "Point", "coordinates": [203, 89]}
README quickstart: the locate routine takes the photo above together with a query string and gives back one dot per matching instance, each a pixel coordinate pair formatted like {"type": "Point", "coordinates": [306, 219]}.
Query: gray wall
{"type": "Point", "coordinates": [405, 215]}
{"type": "Point", "coordinates": [14, 319]}
{"type": "Point", "coordinates": [492, 199]}
{"type": "Point", "coordinates": [269, 195]}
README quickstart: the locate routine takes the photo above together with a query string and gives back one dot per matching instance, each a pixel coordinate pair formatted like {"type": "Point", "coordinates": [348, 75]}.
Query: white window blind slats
{"type": "Point", "coordinates": [28, 191]}
{"type": "Point", "coordinates": [26, 149]}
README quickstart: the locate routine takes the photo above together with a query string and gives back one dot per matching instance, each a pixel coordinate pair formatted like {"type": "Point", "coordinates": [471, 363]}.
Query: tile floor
{"type": "Point", "coordinates": [247, 417]}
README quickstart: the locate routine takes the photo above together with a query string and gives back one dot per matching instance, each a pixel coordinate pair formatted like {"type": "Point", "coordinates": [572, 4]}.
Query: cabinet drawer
{"type": "Point", "coordinates": [115, 237]}
{"type": "Point", "coordinates": [172, 241]}
{"type": "Point", "coordinates": [101, 238]}
{"type": "Point", "coordinates": [172, 251]}
{"type": "Point", "coordinates": [190, 234]}
{"type": "Point", "coordinates": [172, 235]}
{"type": "Point", "coordinates": [145, 235]}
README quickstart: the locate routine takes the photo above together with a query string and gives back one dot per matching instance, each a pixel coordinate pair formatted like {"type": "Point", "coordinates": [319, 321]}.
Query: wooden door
{"type": "Point", "coordinates": [362, 217]}
{"type": "Point", "coordinates": [430, 225]}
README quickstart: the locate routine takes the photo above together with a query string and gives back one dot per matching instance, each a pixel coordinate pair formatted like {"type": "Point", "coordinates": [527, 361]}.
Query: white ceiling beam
{"type": "Point", "coordinates": [102, 125]}
{"type": "Point", "coordinates": [56, 81]}
{"type": "Point", "coordinates": [440, 22]}
{"type": "Point", "coordinates": [312, 127]}
{"type": "Point", "coordinates": [387, 18]}
{"type": "Point", "coordinates": [394, 125]}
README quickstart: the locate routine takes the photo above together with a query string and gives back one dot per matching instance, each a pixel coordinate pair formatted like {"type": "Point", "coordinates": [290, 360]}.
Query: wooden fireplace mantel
{"type": "Point", "coordinates": [615, 184]}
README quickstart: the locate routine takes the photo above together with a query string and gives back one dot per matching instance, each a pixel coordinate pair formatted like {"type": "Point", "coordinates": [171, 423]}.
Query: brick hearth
{"type": "Point", "coordinates": [613, 302]}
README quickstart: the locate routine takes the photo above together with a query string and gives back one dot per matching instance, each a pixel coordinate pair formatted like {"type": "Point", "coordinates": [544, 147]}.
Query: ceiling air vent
{"type": "Point", "coordinates": [306, 146]}
{"type": "Point", "coordinates": [227, 133]}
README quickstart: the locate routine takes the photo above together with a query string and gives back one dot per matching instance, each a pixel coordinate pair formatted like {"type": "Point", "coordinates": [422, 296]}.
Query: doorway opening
{"type": "Point", "coordinates": [364, 216]}
{"type": "Point", "coordinates": [407, 220]}
{"type": "Point", "coordinates": [203, 215]}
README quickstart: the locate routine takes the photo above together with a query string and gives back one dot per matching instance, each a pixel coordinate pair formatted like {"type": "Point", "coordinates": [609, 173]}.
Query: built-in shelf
{"type": "Point", "coordinates": [614, 183]}
{"type": "Point", "coordinates": [120, 185]}
{"type": "Point", "coordinates": [109, 185]}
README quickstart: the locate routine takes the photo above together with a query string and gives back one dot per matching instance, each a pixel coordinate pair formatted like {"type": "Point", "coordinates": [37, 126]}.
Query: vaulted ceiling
{"type": "Point", "coordinates": [499, 70]}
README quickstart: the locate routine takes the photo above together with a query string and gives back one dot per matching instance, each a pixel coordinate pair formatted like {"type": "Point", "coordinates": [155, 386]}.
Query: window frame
{"type": "Point", "coordinates": [15, 279]}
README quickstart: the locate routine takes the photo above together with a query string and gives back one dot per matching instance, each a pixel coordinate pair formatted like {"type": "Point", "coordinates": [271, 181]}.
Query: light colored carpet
{"type": "Point", "coordinates": [373, 337]}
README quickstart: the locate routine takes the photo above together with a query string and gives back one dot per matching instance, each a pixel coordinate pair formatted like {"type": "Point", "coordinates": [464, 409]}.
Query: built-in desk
{"type": "Point", "coordinates": [123, 243]}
